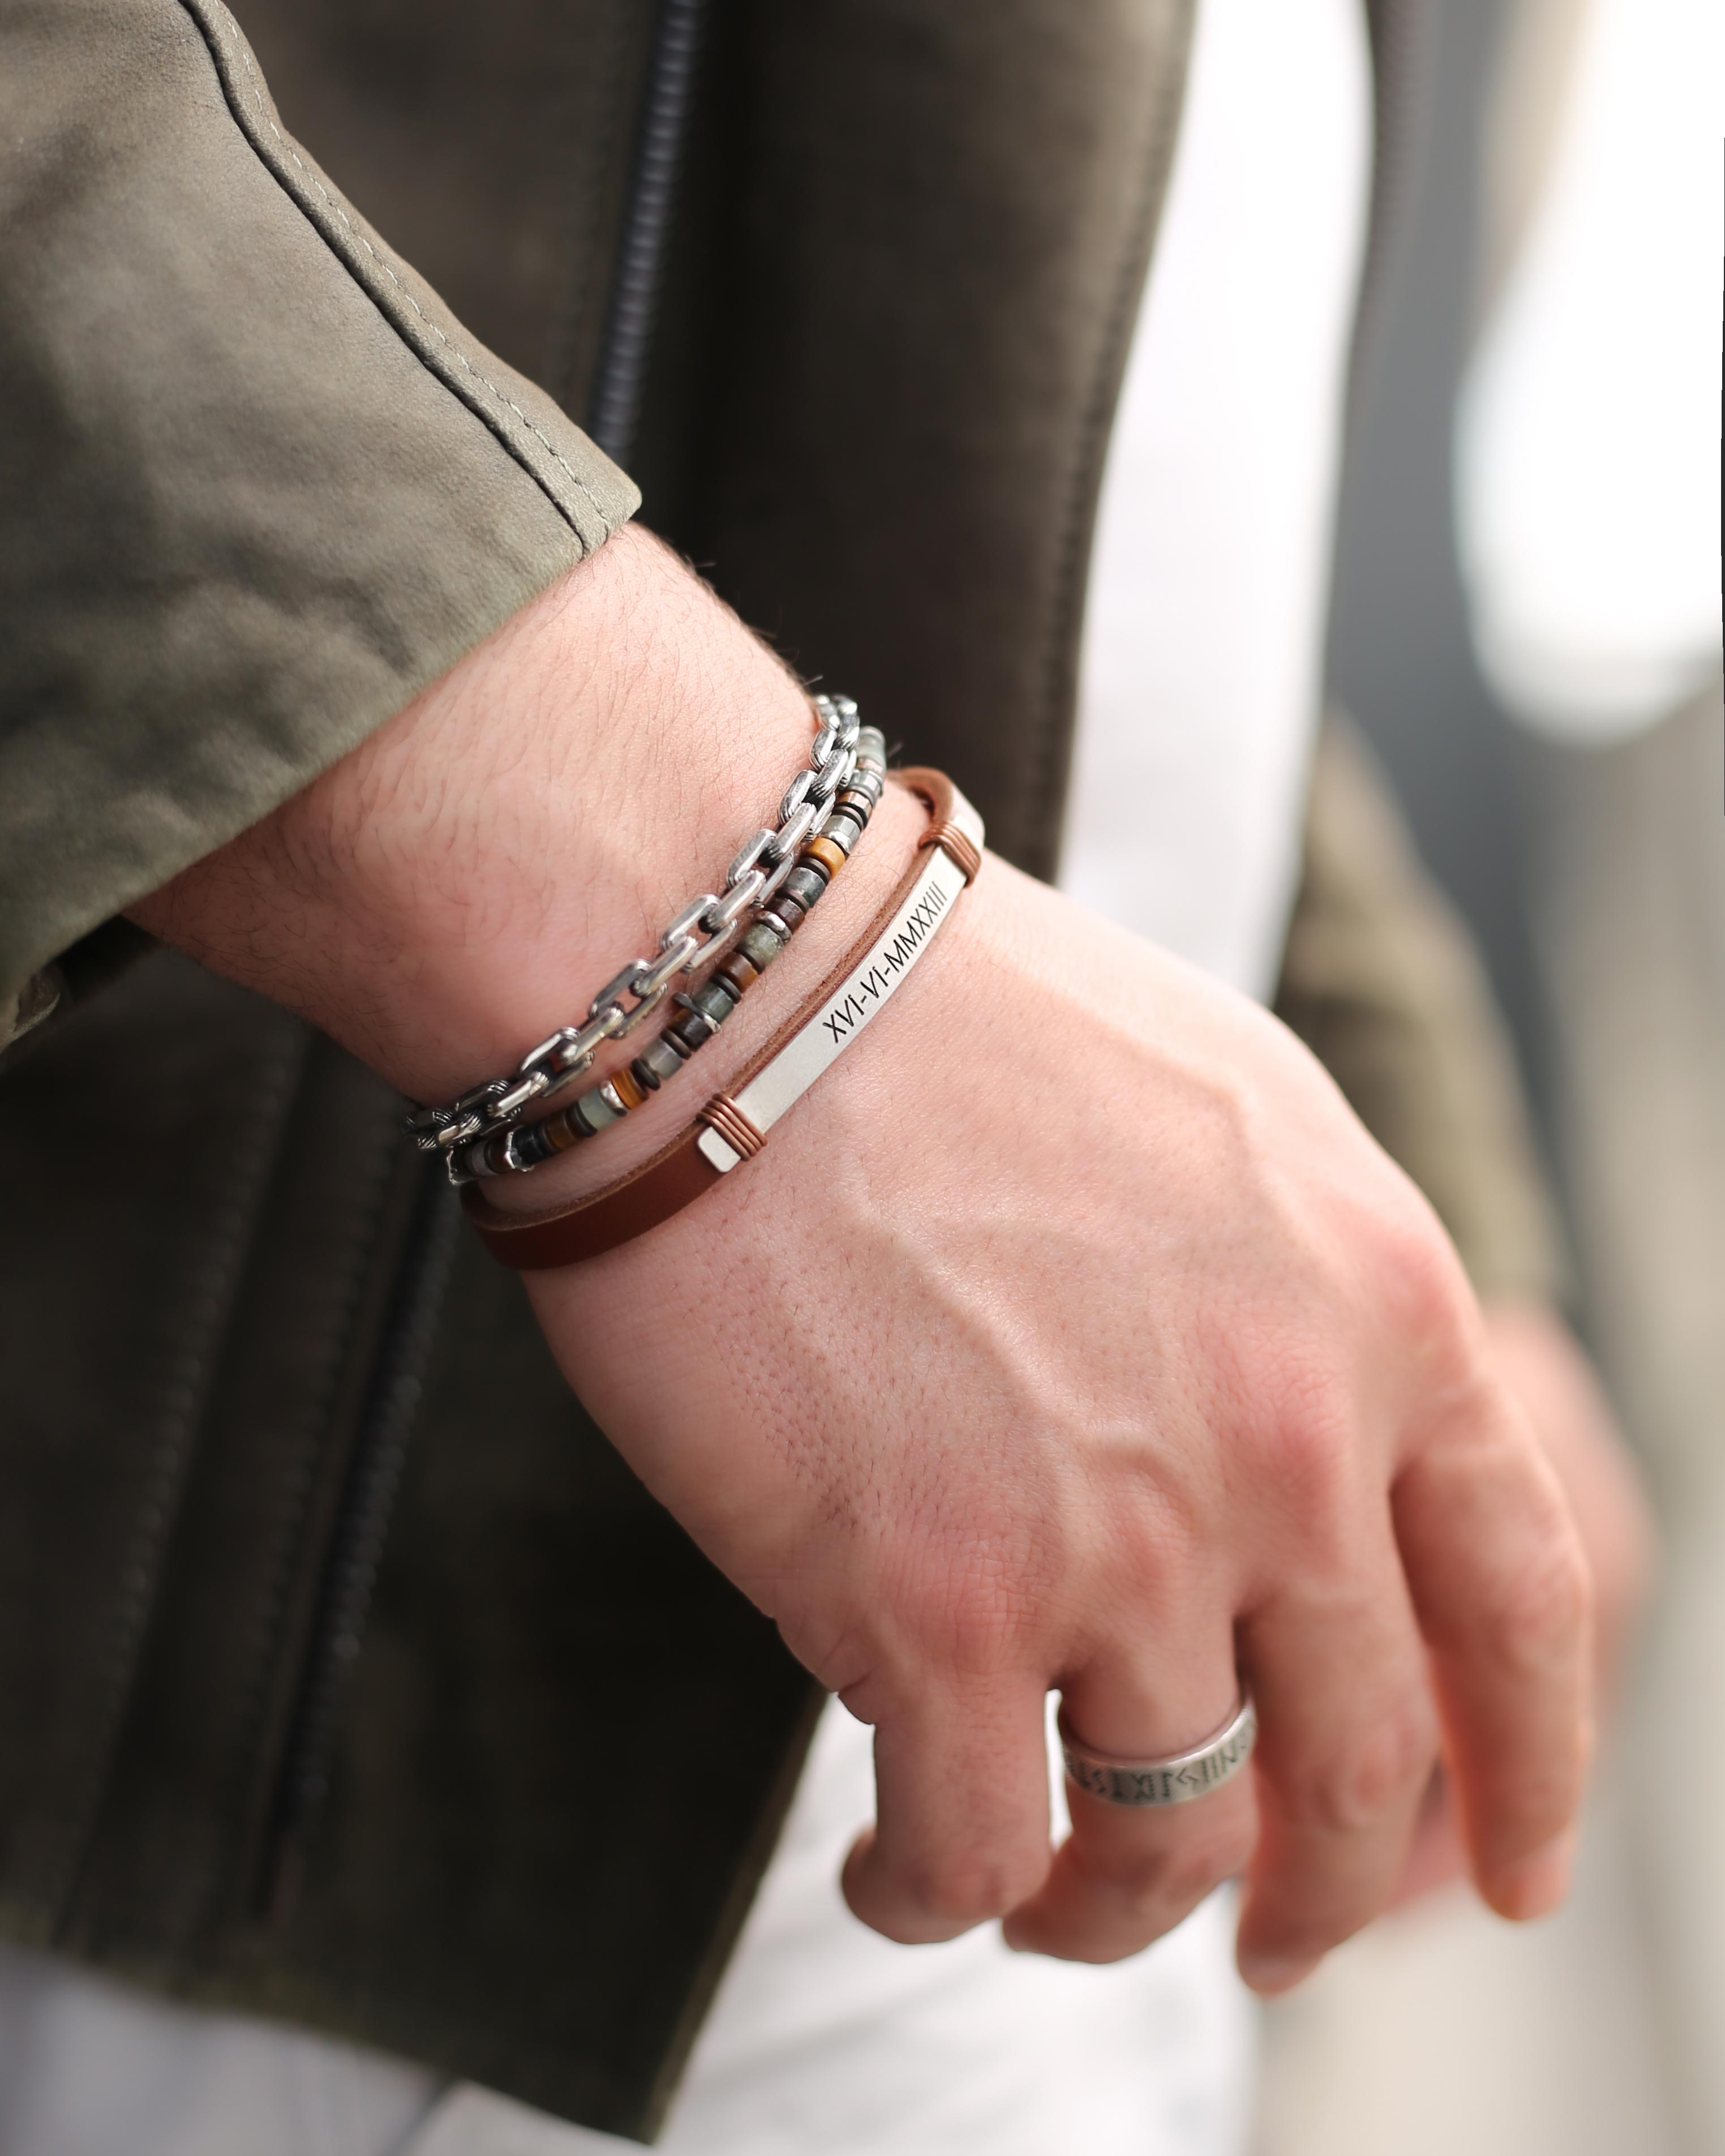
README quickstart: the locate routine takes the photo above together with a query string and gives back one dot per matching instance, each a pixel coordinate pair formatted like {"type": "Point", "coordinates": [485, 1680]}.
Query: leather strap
{"type": "Point", "coordinates": [677, 1174]}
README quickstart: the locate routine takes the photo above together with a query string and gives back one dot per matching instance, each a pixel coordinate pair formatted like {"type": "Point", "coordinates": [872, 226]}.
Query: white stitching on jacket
{"type": "Point", "coordinates": [456, 350]}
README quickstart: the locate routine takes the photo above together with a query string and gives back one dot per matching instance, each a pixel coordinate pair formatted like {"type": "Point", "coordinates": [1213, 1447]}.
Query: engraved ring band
{"type": "Point", "coordinates": [1175, 1780]}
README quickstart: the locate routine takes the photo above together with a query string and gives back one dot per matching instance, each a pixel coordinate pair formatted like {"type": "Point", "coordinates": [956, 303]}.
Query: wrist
{"type": "Point", "coordinates": [467, 878]}
{"type": "Point", "coordinates": [826, 940]}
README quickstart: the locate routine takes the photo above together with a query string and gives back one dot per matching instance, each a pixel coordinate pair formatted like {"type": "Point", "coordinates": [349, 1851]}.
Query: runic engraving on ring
{"type": "Point", "coordinates": [1175, 1780]}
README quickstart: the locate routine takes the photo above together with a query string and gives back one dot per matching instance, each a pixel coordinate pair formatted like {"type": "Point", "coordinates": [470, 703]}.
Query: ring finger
{"type": "Point", "coordinates": [1128, 1873]}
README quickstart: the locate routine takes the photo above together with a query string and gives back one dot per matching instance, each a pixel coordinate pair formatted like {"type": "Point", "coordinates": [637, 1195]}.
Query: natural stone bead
{"type": "Point", "coordinates": [821, 853]}
{"type": "Point", "coordinates": [805, 884]}
{"type": "Point", "coordinates": [843, 830]}
{"type": "Point", "coordinates": [761, 945]}
{"type": "Point", "coordinates": [526, 1147]}
{"type": "Point", "coordinates": [692, 1030]}
{"type": "Point", "coordinates": [592, 1111]}
{"type": "Point", "coordinates": [714, 1001]}
{"type": "Point", "coordinates": [661, 1059]}
{"type": "Point", "coordinates": [629, 1089]}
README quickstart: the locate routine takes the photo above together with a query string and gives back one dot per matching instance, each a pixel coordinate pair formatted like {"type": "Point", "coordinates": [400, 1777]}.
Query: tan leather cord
{"type": "Point", "coordinates": [662, 1185]}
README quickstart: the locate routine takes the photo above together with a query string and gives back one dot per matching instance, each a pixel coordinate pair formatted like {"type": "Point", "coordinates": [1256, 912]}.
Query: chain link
{"type": "Point", "coordinates": [704, 928]}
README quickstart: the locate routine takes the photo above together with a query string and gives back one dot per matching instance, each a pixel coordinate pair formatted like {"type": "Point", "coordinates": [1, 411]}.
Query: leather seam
{"type": "Point", "coordinates": [336, 209]}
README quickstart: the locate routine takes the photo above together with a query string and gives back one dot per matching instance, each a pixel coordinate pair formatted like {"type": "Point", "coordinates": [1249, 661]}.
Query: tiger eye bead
{"type": "Point", "coordinates": [629, 1089]}
{"type": "Point", "coordinates": [740, 971]}
{"type": "Point", "coordinates": [823, 850]}
{"type": "Point", "coordinates": [787, 912]}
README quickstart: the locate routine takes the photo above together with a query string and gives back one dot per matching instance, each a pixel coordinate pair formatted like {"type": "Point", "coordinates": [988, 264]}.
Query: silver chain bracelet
{"type": "Point", "coordinates": [703, 931]}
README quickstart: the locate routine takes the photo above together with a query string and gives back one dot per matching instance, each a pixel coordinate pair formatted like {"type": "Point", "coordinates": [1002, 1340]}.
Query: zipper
{"type": "Point", "coordinates": [388, 1409]}
{"type": "Point", "coordinates": [666, 108]}
{"type": "Point", "coordinates": [396, 1380]}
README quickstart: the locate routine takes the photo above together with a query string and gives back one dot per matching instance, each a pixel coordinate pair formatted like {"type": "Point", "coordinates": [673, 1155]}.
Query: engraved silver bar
{"type": "Point", "coordinates": [874, 980]}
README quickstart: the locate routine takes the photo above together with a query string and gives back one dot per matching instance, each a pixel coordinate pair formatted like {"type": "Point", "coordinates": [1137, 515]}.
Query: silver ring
{"type": "Point", "coordinates": [1175, 1780]}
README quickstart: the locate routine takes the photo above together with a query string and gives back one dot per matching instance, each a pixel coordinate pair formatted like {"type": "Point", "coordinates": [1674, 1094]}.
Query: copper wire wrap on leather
{"type": "Point", "coordinates": [957, 843]}
{"type": "Point", "coordinates": [735, 1125]}
{"type": "Point", "coordinates": [722, 1114]}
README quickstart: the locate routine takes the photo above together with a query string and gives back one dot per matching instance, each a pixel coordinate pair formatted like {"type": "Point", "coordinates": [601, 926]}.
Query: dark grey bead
{"type": "Point", "coordinates": [761, 945]}
{"type": "Point", "coordinates": [645, 1076]}
{"type": "Point", "coordinates": [714, 1001]}
{"type": "Point", "coordinates": [662, 1058]}
{"type": "Point", "coordinates": [805, 883]}
{"type": "Point", "coordinates": [693, 1031]}
{"type": "Point", "coordinates": [843, 830]}
{"type": "Point", "coordinates": [532, 1146]}
{"type": "Point", "coordinates": [868, 785]}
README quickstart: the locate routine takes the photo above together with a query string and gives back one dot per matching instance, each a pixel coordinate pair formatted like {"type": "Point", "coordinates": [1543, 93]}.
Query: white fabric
{"type": "Point", "coordinates": [1203, 640]}
{"type": "Point", "coordinates": [1200, 687]}
{"type": "Point", "coordinates": [1587, 446]}
{"type": "Point", "coordinates": [827, 2040]}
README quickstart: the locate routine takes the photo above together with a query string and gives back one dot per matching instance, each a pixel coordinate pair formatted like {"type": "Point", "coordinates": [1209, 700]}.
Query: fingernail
{"type": "Point", "coordinates": [1535, 1886]}
{"type": "Point", "coordinates": [1273, 1971]}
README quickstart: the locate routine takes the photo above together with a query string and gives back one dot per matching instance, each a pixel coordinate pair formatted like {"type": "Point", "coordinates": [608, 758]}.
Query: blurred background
{"type": "Point", "coordinates": [1526, 625]}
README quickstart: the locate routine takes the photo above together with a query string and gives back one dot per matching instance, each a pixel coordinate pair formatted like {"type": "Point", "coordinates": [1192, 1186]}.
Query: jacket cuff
{"type": "Point", "coordinates": [258, 487]}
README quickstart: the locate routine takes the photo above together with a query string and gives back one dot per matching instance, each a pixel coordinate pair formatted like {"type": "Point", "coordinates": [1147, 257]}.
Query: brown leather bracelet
{"type": "Point", "coordinates": [732, 1126]}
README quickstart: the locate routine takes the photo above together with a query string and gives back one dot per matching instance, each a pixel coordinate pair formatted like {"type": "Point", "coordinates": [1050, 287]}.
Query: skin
{"type": "Point", "coordinates": [1555, 1385]}
{"type": "Point", "coordinates": [1072, 1334]}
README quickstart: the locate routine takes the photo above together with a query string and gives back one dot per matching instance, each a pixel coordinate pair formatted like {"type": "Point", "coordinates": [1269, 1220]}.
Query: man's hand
{"type": "Point", "coordinates": [1071, 1334]}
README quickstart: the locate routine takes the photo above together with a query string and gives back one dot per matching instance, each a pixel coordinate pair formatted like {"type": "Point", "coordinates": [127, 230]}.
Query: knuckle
{"type": "Point", "coordinates": [1420, 1281]}
{"type": "Point", "coordinates": [1542, 1608]}
{"type": "Point", "coordinates": [1375, 1777]}
{"type": "Point", "coordinates": [959, 1893]}
{"type": "Point", "coordinates": [1153, 1877]}
{"type": "Point", "coordinates": [1312, 1447]}
{"type": "Point", "coordinates": [972, 1607]}
{"type": "Point", "coordinates": [1309, 1453]}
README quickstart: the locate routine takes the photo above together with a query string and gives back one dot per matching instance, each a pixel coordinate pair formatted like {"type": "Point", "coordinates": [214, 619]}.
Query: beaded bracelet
{"type": "Point", "coordinates": [706, 927]}
{"type": "Point", "coordinates": [524, 1147]}
{"type": "Point", "coordinates": [734, 1126]}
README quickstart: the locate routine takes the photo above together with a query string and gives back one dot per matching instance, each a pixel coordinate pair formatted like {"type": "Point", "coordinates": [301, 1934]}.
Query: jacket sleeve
{"type": "Point", "coordinates": [257, 485]}
{"type": "Point", "coordinates": [1380, 980]}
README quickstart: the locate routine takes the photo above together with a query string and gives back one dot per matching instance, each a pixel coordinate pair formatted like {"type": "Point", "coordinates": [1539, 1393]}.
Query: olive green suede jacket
{"type": "Point", "coordinates": [325, 1610]}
